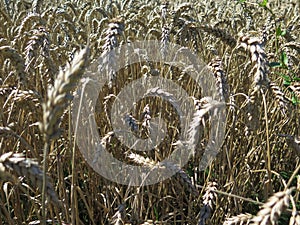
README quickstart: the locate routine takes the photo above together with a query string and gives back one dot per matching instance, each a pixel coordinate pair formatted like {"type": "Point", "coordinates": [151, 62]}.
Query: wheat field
{"type": "Point", "coordinates": [252, 50]}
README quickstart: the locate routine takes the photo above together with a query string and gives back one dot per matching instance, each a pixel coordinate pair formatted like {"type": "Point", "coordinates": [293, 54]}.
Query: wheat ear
{"type": "Point", "coordinates": [216, 67]}
{"type": "Point", "coordinates": [58, 98]}
{"type": "Point", "coordinates": [29, 169]}
{"type": "Point", "coordinates": [272, 209]}
{"type": "Point", "coordinates": [208, 202]}
{"type": "Point", "coordinates": [241, 219]}
{"type": "Point", "coordinates": [258, 57]}
{"type": "Point", "coordinates": [60, 94]}
{"type": "Point", "coordinates": [17, 60]}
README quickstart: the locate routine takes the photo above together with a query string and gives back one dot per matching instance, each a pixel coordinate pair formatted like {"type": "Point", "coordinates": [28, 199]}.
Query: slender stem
{"type": "Point", "coordinates": [46, 150]}
{"type": "Point", "coordinates": [268, 156]}
{"type": "Point", "coordinates": [73, 192]}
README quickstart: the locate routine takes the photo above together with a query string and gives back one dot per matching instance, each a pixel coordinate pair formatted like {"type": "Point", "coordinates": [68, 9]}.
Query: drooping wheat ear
{"type": "Point", "coordinates": [216, 67]}
{"type": "Point", "coordinates": [258, 57]}
{"type": "Point", "coordinates": [131, 122]}
{"type": "Point", "coordinates": [295, 87]}
{"type": "Point", "coordinates": [115, 29]}
{"type": "Point", "coordinates": [142, 160]}
{"type": "Point", "coordinates": [17, 60]}
{"type": "Point", "coordinates": [118, 217]}
{"type": "Point", "coordinates": [28, 168]}
{"type": "Point", "coordinates": [157, 91]}
{"type": "Point", "coordinates": [179, 11]}
{"type": "Point", "coordinates": [40, 39]}
{"type": "Point", "coordinates": [173, 168]}
{"type": "Point", "coordinates": [241, 219]}
{"type": "Point", "coordinates": [59, 95]}
{"type": "Point", "coordinates": [209, 199]}
{"type": "Point", "coordinates": [279, 96]}
{"type": "Point", "coordinates": [293, 45]}
{"type": "Point", "coordinates": [26, 96]}
{"type": "Point", "coordinates": [220, 33]}
{"type": "Point", "coordinates": [4, 91]}
{"type": "Point", "coordinates": [7, 131]}
{"type": "Point", "coordinates": [272, 209]}
{"type": "Point", "coordinates": [24, 25]}
{"type": "Point", "coordinates": [203, 106]}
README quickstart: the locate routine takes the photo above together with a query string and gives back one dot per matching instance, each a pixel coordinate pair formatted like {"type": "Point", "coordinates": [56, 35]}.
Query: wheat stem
{"type": "Point", "coordinates": [268, 156]}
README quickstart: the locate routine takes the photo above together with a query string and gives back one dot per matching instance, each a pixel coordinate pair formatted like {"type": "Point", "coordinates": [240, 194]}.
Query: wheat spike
{"type": "Point", "coordinates": [293, 45]}
{"type": "Point", "coordinates": [165, 165]}
{"type": "Point", "coordinates": [208, 202]}
{"type": "Point", "coordinates": [216, 67]}
{"type": "Point", "coordinates": [24, 25]}
{"type": "Point", "coordinates": [241, 219]}
{"type": "Point", "coordinates": [40, 38]}
{"type": "Point", "coordinates": [164, 11]}
{"type": "Point", "coordinates": [115, 29]}
{"type": "Point", "coordinates": [280, 97]}
{"type": "Point", "coordinates": [203, 106]}
{"type": "Point", "coordinates": [258, 57]}
{"type": "Point", "coordinates": [28, 168]}
{"type": "Point", "coordinates": [220, 33]}
{"type": "Point", "coordinates": [17, 61]}
{"type": "Point", "coordinates": [272, 209]}
{"type": "Point", "coordinates": [59, 95]}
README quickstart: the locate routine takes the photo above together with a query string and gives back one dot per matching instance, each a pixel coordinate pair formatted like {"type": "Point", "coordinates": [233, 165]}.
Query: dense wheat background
{"type": "Point", "coordinates": [252, 49]}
